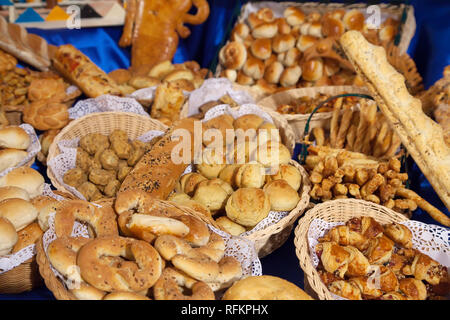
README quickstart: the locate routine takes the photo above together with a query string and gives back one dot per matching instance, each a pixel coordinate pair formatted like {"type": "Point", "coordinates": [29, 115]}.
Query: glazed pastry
{"type": "Point", "coordinates": [335, 259]}
{"type": "Point", "coordinates": [345, 289]}
{"type": "Point", "coordinates": [379, 250]}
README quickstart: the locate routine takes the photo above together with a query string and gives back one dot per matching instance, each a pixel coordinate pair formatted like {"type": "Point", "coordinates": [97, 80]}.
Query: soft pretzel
{"type": "Point", "coordinates": [102, 220]}
{"type": "Point", "coordinates": [140, 270]}
{"type": "Point", "coordinates": [62, 254]}
{"type": "Point", "coordinates": [171, 283]}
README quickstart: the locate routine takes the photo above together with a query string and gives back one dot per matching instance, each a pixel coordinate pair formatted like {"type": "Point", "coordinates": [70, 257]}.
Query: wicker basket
{"type": "Point", "coordinates": [298, 121]}
{"type": "Point", "coordinates": [103, 122]}
{"type": "Point", "coordinates": [58, 288]}
{"type": "Point", "coordinates": [274, 236]}
{"type": "Point", "coordinates": [334, 211]}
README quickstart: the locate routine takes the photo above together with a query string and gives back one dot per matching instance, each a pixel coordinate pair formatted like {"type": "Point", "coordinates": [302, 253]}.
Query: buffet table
{"type": "Point", "coordinates": [427, 48]}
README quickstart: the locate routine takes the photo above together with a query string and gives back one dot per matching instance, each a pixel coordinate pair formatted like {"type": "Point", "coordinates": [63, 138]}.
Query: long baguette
{"type": "Point", "coordinates": [423, 138]}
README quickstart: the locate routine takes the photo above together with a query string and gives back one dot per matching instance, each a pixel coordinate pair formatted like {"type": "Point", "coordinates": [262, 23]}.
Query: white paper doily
{"type": "Point", "coordinates": [105, 103]}
{"type": "Point", "coordinates": [429, 239]}
{"type": "Point", "coordinates": [213, 89]}
{"type": "Point", "coordinates": [66, 160]}
{"type": "Point", "coordinates": [33, 149]}
{"type": "Point", "coordinates": [9, 262]}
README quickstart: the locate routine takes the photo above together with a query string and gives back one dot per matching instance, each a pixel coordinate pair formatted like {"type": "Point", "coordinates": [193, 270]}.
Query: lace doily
{"type": "Point", "coordinates": [429, 239]}
{"type": "Point", "coordinates": [241, 249]}
{"type": "Point", "coordinates": [213, 89]}
{"type": "Point", "coordinates": [9, 262]}
{"type": "Point", "coordinates": [106, 103]}
{"type": "Point", "coordinates": [33, 149]}
{"type": "Point", "coordinates": [66, 160]}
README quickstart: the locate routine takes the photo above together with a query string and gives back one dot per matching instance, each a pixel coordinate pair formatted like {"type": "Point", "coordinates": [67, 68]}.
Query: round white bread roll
{"type": "Point", "coordinates": [315, 29]}
{"type": "Point", "coordinates": [254, 21]}
{"type": "Point", "coordinates": [13, 192]}
{"type": "Point", "coordinates": [14, 137]}
{"type": "Point", "coordinates": [272, 154]}
{"type": "Point", "coordinates": [26, 178]}
{"type": "Point", "coordinates": [290, 174]}
{"type": "Point", "coordinates": [312, 69]}
{"type": "Point", "coordinates": [250, 175]}
{"type": "Point", "coordinates": [283, 42]}
{"type": "Point", "coordinates": [281, 195]}
{"type": "Point", "coordinates": [18, 211]}
{"type": "Point", "coordinates": [332, 27]}
{"type": "Point", "coordinates": [292, 57]}
{"type": "Point", "coordinates": [261, 48]}
{"type": "Point", "coordinates": [8, 236]}
{"type": "Point", "coordinates": [304, 28]}
{"type": "Point", "coordinates": [273, 72]}
{"type": "Point", "coordinates": [10, 158]}
{"type": "Point", "coordinates": [353, 20]}
{"type": "Point", "coordinates": [254, 68]}
{"type": "Point", "coordinates": [212, 196]}
{"type": "Point", "coordinates": [233, 55]}
{"type": "Point", "coordinates": [265, 30]}
{"type": "Point", "coordinates": [305, 41]}
{"type": "Point", "coordinates": [265, 14]}
{"type": "Point", "coordinates": [294, 16]}
{"type": "Point", "coordinates": [283, 26]}
{"type": "Point", "coordinates": [244, 79]}
{"type": "Point", "coordinates": [248, 206]}
{"type": "Point", "coordinates": [290, 76]}
{"type": "Point", "coordinates": [240, 32]}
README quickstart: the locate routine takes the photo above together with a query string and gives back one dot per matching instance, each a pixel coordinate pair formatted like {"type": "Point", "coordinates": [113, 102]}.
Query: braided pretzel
{"type": "Point", "coordinates": [171, 283]}
{"type": "Point", "coordinates": [140, 270]}
{"type": "Point", "coordinates": [102, 220]}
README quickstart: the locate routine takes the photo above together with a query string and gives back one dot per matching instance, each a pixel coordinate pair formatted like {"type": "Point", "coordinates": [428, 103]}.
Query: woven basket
{"type": "Point", "coordinates": [334, 211]}
{"type": "Point", "coordinates": [58, 288]}
{"type": "Point", "coordinates": [103, 122]}
{"type": "Point", "coordinates": [298, 121]}
{"type": "Point", "coordinates": [274, 236]}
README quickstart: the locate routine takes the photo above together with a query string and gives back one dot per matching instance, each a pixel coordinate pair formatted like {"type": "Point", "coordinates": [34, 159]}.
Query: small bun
{"type": "Point", "coordinates": [230, 226]}
{"type": "Point", "coordinates": [14, 137]}
{"type": "Point", "coordinates": [313, 16]}
{"type": "Point", "coordinates": [292, 57]}
{"type": "Point", "coordinates": [283, 42]}
{"type": "Point", "coordinates": [273, 72]}
{"type": "Point", "coordinates": [353, 20]}
{"type": "Point", "coordinates": [265, 30]}
{"type": "Point", "coordinates": [228, 174]}
{"type": "Point", "coordinates": [264, 288]}
{"type": "Point", "coordinates": [13, 192]}
{"type": "Point", "coordinates": [244, 79]}
{"type": "Point", "coordinates": [272, 154]}
{"type": "Point", "coordinates": [223, 123]}
{"type": "Point", "coordinates": [26, 178]}
{"type": "Point", "coordinates": [212, 196]}
{"type": "Point", "coordinates": [233, 55]}
{"type": "Point", "coordinates": [240, 32]}
{"type": "Point", "coordinates": [253, 20]}
{"type": "Point", "coordinates": [230, 74]}
{"type": "Point", "coordinates": [212, 163]}
{"type": "Point", "coordinates": [332, 27]}
{"type": "Point", "coordinates": [294, 16]}
{"type": "Point", "coordinates": [18, 211]}
{"type": "Point", "coordinates": [338, 14]}
{"type": "Point", "coordinates": [281, 195]}
{"type": "Point", "coordinates": [304, 28]}
{"type": "Point", "coordinates": [8, 236]}
{"type": "Point", "coordinates": [290, 76]}
{"type": "Point", "coordinates": [265, 14]}
{"type": "Point", "coordinates": [254, 68]}
{"type": "Point", "coordinates": [248, 206]}
{"type": "Point", "coordinates": [290, 174]}
{"type": "Point", "coordinates": [283, 26]}
{"type": "Point", "coordinates": [315, 29]}
{"type": "Point", "coordinates": [248, 121]}
{"type": "Point", "coordinates": [189, 182]}
{"type": "Point", "coordinates": [261, 48]}
{"type": "Point", "coordinates": [263, 88]}
{"type": "Point", "coordinates": [10, 158]}
{"type": "Point", "coordinates": [250, 175]}
{"type": "Point", "coordinates": [306, 41]}
{"type": "Point", "coordinates": [312, 69]}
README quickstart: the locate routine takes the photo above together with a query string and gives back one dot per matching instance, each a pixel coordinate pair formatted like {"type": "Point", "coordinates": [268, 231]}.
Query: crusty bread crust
{"type": "Point", "coordinates": [423, 138]}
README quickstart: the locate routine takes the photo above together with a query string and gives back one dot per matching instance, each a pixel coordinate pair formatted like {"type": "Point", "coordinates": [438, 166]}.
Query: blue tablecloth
{"type": "Point", "coordinates": [430, 49]}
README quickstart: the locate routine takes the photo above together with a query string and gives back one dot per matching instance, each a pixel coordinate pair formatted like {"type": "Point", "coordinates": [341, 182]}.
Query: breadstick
{"type": "Point", "coordinates": [424, 205]}
{"type": "Point", "coordinates": [362, 126]}
{"type": "Point", "coordinates": [335, 121]}
{"type": "Point", "coordinates": [384, 129]}
{"type": "Point", "coordinates": [372, 185]}
{"type": "Point", "coordinates": [351, 136]}
{"type": "Point", "coordinates": [383, 148]}
{"type": "Point", "coordinates": [392, 150]}
{"type": "Point", "coordinates": [319, 135]}
{"type": "Point", "coordinates": [343, 127]}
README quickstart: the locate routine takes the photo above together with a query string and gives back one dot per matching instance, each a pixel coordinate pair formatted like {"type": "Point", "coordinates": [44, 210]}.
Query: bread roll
{"type": "Point", "coordinates": [216, 181]}
{"type": "Point", "coordinates": [230, 226]}
{"type": "Point", "coordinates": [248, 121]}
{"type": "Point", "coordinates": [254, 21]}
{"type": "Point", "coordinates": [292, 57]}
{"type": "Point", "coordinates": [248, 206]}
{"type": "Point", "coordinates": [290, 174]}
{"type": "Point", "coordinates": [233, 55]}
{"type": "Point", "coordinates": [265, 30]}
{"type": "Point", "coordinates": [250, 175]}
{"type": "Point", "coordinates": [157, 172]}
{"type": "Point", "coordinates": [8, 236]}
{"type": "Point", "coordinates": [243, 79]}
{"type": "Point", "coordinates": [14, 137]}
{"type": "Point", "coordinates": [283, 26]}
{"type": "Point", "coordinates": [45, 115]}
{"type": "Point", "coordinates": [294, 16]}
{"type": "Point", "coordinates": [254, 68]}
{"type": "Point", "coordinates": [230, 74]}
{"type": "Point", "coordinates": [283, 42]}
{"type": "Point", "coordinates": [13, 192]}
{"type": "Point", "coordinates": [26, 178]}
{"type": "Point", "coordinates": [332, 27]}
{"type": "Point", "coordinates": [28, 236]}
{"type": "Point", "coordinates": [189, 182]}
{"type": "Point", "coordinates": [10, 158]}
{"type": "Point", "coordinates": [265, 14]}
{"type": "Point", "coordinates": [312, 70]}
{"type": "Point", "coordinates": [18, 211]}
{"type": "Point", "coordinates": [290, 76]}
{"type": "Point", "coordinates": [273, 72]}
{"type": "Point", "coordinates": [306, 41]}
{"type": "Point", "coordinates": [353, 20]}
{"type": "Point", "coordinates": [240, 32]}
{"type": "Point", "coordinates": [281, 195]}
{"type": "Point", "coordinates": [228, 174]}
{"type": "Point", "coordinates": [212, 163]}
{"type": "Point", "coordinates": [45, 205]}
{"type": "Point", "coordinates": [315, 29]}
{"type": "Point", "coordinates": [272, 154]}
{"type": "Point", "coordinates": [261, 48]}
{"type": "Point", "coordinates": [212, 196]}
{"type": "Point", "coordinates": [46, 89]}
{"type": "Point", "coordinates": [265, 288]}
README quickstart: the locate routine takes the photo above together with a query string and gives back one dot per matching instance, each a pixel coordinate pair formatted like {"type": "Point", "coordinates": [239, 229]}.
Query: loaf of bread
{"type": "Point", "coordinates": [423, 137]}
{"type": "Point", "coordinates": [80, 70]}
{"type": "Point", "coordinates": [157, 173]}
